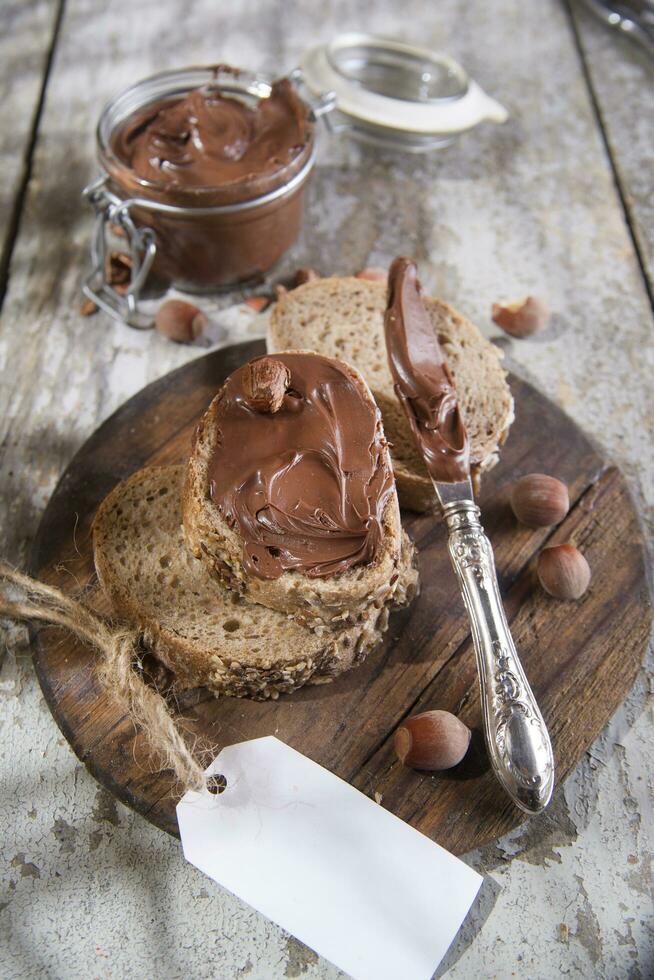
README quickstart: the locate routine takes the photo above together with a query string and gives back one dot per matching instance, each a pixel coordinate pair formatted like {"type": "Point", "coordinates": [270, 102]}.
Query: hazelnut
{"type": "Point", "coordinates": [265, 382]}
{"type": "Point", "coordinates": [88, 307]}
{"type": "Point", "coordinates": [257, 303]}
{"type": "Point", "coordinates": [118, 271]}
{"type": "Point", "coordinates": [305, 275]}
{"type": "Point", "coordinates": [180, 321]}
{"type": "Point", "coordinates": [522, 317]}
{"type": "Point", "coordinates": [563, 571]}
{"type": "Point", "coordinates": [374, 274]}
{"type": "Point", "coordinates": [432, 740]}
{"type": "Point", "coordinates": [539, 500]}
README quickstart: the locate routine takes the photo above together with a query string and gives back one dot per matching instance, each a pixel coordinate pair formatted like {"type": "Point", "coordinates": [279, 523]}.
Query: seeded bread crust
{"type": "Point", "coordinates": [344, 317]}
{"type": "Point", "coordinates": [336, 600]}
{"type": "Point", "coordinates": [206, 635]}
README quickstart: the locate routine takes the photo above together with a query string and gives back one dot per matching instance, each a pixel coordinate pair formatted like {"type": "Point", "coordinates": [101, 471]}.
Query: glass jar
{"type": "Point", "coordinates": [207, 238]}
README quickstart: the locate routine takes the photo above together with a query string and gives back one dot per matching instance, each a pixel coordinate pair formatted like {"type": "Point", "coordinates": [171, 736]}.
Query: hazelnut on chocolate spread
{"type": "Point", "coordinates": [306, 482]}
{"type": "Point", "coordinates": [423, 381]}
{"type": "Point", "coordinates": [210, 139]}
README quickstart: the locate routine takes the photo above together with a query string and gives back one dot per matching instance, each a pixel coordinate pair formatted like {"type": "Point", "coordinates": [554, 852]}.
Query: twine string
{"type": "Point", "coordinates": [119, 649]}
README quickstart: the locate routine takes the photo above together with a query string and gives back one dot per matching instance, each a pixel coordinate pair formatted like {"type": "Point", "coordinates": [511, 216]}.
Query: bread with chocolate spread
{"type": "Point", "coordinates": [344, 317]}
{"type": "Point", "coordinates": [207, 635]}
{"type": "Point", "coordinates": [290, 498]}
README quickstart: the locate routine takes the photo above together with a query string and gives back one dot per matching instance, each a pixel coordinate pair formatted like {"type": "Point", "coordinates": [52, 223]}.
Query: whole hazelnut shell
{"type": "Point", "coordinates": [563, 571]}
{"type": "Point", "coordinates": [522, 317]}
{"type": "Point", "coordinates": [265, 382]}
{"type": "Point", "coordinates": [305, 275]}
{"type": "Point", "coordinates": [180, 321]}
{"type": "Point", "coordinates": [257, 303]}
{"type": "Point", "coordinates": [539, 500]}
{"type": "Point", "coordinates": [432, 740]}
{"type": "Point", "coordinates": [373, 274]}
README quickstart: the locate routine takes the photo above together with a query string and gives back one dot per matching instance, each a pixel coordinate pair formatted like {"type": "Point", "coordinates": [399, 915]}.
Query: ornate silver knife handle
{"type": "Point", "coordinates": [517, 739]}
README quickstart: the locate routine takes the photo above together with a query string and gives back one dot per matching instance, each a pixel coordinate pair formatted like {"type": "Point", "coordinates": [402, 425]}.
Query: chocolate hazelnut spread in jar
{"type": "Point", "coordinates": [205, 171]}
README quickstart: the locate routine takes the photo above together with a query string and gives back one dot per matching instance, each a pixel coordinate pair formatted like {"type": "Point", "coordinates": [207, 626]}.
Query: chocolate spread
{"type": "Point", "coordinates": [208, 139]}
{"type": "Point", "coordinates": [306, 485]}
{"type": "Point", "coordinates": [423, 382]}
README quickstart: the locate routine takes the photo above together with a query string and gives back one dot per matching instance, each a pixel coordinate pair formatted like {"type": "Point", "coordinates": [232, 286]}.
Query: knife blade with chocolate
{"type": "Point", "coordinates": [516, 736]}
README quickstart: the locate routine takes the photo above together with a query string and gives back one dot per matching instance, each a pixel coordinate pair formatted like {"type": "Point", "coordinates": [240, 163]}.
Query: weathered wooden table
{"type": "Point", "coordinates": [559, 202]}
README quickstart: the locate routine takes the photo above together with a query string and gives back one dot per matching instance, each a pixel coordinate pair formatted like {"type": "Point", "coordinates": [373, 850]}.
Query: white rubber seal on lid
{"type": "Point", "coordinates": [385, 83]}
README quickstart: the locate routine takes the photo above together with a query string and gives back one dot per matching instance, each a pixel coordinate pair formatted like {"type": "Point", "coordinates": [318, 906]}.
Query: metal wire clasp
{"type": "Point", "coordinates": [110, 209]}
{"type": "Point", "coordinates": [320, 106]}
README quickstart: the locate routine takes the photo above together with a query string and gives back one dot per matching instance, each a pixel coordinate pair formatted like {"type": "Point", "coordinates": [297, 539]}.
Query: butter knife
{"type": "Point", "coordinates": [516, 735]}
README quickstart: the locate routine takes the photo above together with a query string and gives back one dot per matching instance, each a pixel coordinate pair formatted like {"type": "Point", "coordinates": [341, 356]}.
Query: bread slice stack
{"type": "Point", "coordinates": [334, 601]}
{"type": "Point", "coordinates": [212, 624]}
{"type": "Point", "coordinates": [344, 317]}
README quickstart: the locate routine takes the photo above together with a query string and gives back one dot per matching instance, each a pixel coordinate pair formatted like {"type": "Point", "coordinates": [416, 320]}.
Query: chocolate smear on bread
{"type": "Point", "coordinates": [306, 485]}
{"type": "Point", "coordinates": [423, 381]}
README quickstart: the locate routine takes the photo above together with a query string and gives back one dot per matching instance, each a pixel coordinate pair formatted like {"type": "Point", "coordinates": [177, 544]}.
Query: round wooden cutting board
{"type": "Point", "coordinates": [581, 658]}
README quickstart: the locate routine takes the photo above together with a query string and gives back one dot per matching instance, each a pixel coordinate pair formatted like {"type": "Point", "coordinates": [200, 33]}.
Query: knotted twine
{"type": "Point", "coordinates": [120, 654]}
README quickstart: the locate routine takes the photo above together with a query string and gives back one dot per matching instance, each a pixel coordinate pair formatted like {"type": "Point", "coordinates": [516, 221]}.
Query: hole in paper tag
{"type": "Point", "coordinates": [216, 784]}
{"type": "Point", "coordinates": [360, 887]}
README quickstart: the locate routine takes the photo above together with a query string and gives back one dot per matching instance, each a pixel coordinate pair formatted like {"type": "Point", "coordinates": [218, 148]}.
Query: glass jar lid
{"type": "Point", "coordinates": [395, 70]}
{"type": "Point", "coordinates": [393, 93]}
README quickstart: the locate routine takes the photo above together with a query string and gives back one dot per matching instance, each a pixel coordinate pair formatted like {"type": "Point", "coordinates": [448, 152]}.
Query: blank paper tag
{"type": "Point", "coordinates": [337, 871]}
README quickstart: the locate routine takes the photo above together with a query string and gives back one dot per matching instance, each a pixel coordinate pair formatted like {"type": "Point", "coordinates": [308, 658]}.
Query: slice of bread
{"type": "Point", "coordinates": [206, 635]}
{"type": "Point", "coordinates": [344, 317]}
{"type": "Point", "coordinates": [335, 600]}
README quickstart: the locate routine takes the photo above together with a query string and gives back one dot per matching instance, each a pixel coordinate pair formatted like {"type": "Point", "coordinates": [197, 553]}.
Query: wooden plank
{"type": "Point", "coordinates": [347, 726]}
{"type": "Point", "coordinates": [27, 34]}
{"type": "Point", "coordinates": [620, 74]}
